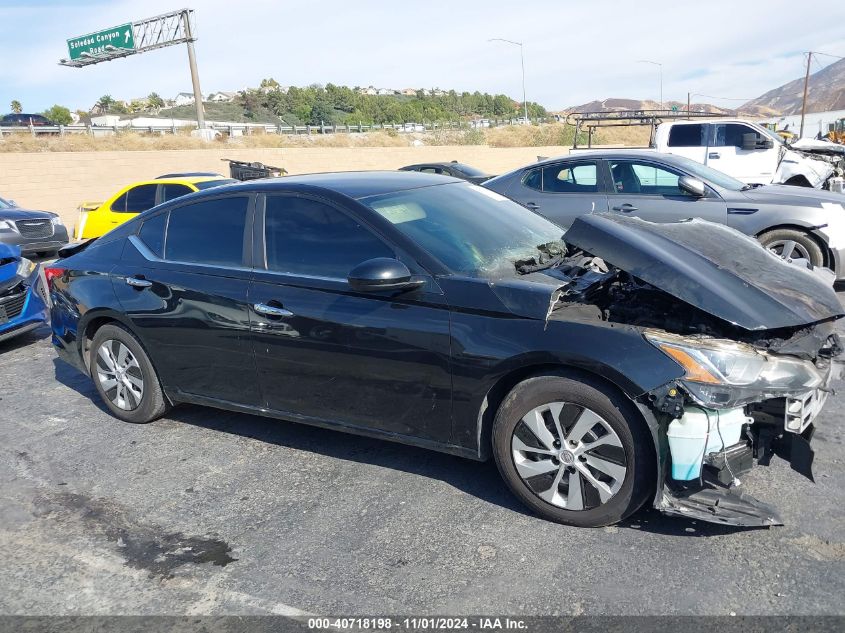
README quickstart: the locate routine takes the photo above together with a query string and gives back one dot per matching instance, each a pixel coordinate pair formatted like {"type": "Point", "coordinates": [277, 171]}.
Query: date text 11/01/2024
{"type": "Point", "coordinates": [420, 623]}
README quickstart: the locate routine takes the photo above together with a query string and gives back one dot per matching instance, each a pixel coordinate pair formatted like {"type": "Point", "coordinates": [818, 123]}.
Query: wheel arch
{"type": "Point", "coordinates": [830, 260]}
{"type": "Point", "coordinates": [506, 383]}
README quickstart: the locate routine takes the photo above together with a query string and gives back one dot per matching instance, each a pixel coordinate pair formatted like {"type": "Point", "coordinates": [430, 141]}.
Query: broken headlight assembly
{"type": "Point", "coordinates": [25, 268]}
{"type": "Point", "coordinates": [720, 373]}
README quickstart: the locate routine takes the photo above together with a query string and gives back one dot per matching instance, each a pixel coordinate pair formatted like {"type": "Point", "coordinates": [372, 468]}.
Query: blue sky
{"type": "Point", "coordinates": [574, 51]}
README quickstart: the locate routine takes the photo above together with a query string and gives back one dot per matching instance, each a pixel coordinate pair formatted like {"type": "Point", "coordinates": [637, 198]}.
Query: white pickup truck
{"type": "Point", "coordinates": [754, 154]}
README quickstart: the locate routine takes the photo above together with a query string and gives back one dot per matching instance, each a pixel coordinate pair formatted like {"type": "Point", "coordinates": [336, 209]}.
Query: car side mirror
{"type": "Point", "coordinates": [752, 141]}
{"type": "Point", "coordinates": [692, 186]}
{"type": "Point", "coordinates": [382, 274]}
{"type": "Point", "coordinates": [13, 203]}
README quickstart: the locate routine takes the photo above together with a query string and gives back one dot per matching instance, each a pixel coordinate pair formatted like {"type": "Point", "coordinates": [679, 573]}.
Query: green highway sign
{"type": "Point", "coordinates": [102, 41]}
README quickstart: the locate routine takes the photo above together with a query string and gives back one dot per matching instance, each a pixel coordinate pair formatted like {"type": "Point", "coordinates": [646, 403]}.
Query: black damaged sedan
{"type": "Point", "coordinates": [618, 364]}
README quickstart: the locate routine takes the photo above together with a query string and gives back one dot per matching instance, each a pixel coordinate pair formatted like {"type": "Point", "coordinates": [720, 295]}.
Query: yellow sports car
{"type": "Point", "coordinates": [98, 218]}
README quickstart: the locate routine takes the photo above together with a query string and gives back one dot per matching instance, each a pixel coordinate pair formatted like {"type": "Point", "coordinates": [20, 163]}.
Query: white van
{"type": "Point", "coordinates": [752, 153]}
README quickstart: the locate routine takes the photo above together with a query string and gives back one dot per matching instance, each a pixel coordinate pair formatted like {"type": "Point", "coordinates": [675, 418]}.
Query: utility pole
{"type": "Point", "coordinates": [660, 67]}
{"type": "Point", "coordinates": [522, 62]}
{"type": "Point", "coordinates": [804, 100]}
{"type": "Point", "coordinates": [688, 105]}
{"type": "Point", "coordinates": [195, 77]}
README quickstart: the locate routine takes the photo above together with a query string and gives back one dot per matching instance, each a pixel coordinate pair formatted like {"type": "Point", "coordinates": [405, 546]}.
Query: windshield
{"type": "Point", "coordinates": [471, 230]}
{"type": "Point", "coordinates": [772, 135]}
{"type": "Point", "coordinates": [709, 175]}
{"type": "Point", "coordinates": [208, 184]}
{"type": "Point", "coordinates": [5, 204]}
{"type": "Point", "coordinates": [472, 172]}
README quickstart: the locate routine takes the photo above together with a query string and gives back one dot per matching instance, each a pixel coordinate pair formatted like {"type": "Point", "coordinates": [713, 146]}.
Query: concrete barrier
{"type": "Point", "coordinates": [59, 181]}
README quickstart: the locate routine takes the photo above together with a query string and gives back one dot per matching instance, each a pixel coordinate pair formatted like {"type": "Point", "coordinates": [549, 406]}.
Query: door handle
{"type": "Point", "coordinates": [532, 205]}
{"type": "Point", "coordinates": [713, 155]}
{"type": "Point", "coordinates": [138, 282]}
{"type": "Point", "coordinates": [627, 207]}
{"type": "Point", "coordinates": [271, 311]}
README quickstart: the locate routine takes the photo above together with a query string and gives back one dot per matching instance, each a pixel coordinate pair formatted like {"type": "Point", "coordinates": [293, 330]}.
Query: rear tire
{"type": "Point", "coordinates": [125, 377]}
{"type": "Point", "coordinates": [553, 433]}
{"type": "Point", "coordinates": [792, 245]}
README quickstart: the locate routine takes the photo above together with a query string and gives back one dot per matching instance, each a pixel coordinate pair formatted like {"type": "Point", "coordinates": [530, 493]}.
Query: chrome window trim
{"type": "Point", "coordinates": [147, 254]}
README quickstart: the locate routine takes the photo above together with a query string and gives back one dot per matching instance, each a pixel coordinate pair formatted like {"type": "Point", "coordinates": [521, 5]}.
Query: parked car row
{"type": "Point", "coordinates": [799, 224]}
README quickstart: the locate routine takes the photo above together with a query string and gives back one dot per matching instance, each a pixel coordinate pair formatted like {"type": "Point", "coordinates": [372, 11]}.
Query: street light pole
{"type": "Point", "coordinates": [660, 67]}
{"type": "Point", "coordinates": [522, 62]}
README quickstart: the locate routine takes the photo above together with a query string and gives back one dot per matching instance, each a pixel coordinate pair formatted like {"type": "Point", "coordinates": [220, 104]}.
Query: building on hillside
{"type": "Point", "coordinates": [384, 91]}
{"type": "Point", "coordinates": [368, 91]}
{"type": "Point", "coordinates": [184, 98]}
{"type": "Point", "coordinates": [221, 97]}
{"type": "Point", "coordinates": [408, 92]}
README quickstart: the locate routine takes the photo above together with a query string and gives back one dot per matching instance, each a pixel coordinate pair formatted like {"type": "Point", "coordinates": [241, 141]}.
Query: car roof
{"type": "Point", "coordinates": [604, 153]}
{"type": "Point", "coordinates": [190, 180]}
{"type": "Point", "coordinates": [353, 184]}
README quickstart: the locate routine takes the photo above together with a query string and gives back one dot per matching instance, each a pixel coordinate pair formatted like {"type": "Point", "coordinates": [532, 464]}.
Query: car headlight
{"type": "Point", "coordinates": [25, 268]}
{"type": "Point", "coordinates": [56, 220]}
{"type": "Point", "coordinates": [6, 225]}
{"type": "Point", "coordinates": [720, 374]}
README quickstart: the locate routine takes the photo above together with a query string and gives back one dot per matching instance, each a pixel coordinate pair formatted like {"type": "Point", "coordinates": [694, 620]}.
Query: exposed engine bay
{"type": "Point", "coordinates": [820, 162]}
{"type": "Point", "coordinates": [754, 381]}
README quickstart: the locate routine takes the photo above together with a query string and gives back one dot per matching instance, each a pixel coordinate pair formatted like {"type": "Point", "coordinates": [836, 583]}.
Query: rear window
{"type": "Point", "coordinates": [692, 135]}
{"type": "Point", "coordinates": [472, 172]}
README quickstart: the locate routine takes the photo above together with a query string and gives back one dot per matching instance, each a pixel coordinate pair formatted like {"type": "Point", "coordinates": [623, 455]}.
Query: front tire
{"type": "Point", "coordinates": [125, 377]}
{"type": "Point", "coordinates": [573, 450]}
{"type": "Point", "coordinates": [793, 246]}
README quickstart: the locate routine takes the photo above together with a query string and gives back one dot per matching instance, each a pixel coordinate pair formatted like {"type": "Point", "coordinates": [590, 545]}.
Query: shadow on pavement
{"type": "Point", "coordinates": [479, 479]}
{"type": "Point", "coordinates": [28, 338]}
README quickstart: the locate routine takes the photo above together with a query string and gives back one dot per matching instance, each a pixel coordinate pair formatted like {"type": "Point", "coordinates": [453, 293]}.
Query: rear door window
{"type": "Point", "coordinates": [688, 135]}
{"type": "Point", "coordinates": [136, 200]}
{"type": "Point", "coordinates": [579, 177]}
{"type": "Point", "coordinates": [174, 190]}
{"type": "Point", "coordinates": [208, 232]}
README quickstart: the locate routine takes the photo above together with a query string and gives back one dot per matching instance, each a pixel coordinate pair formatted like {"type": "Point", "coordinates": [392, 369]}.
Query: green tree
{"type": "Point", "coordinates": [105, 103]}
{"type": "Point", "coordinates": [155, 101]}
{"type": "Point", "coordinates": [59, 115]}
{"type": "Point", "coordinates": [16, 106]}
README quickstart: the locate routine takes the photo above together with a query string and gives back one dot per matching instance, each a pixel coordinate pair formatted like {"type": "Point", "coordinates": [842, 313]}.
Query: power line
{"type": "Point", "coordinates": [828, 55]}
{"type": "Point", "coordinates": [695, 94]}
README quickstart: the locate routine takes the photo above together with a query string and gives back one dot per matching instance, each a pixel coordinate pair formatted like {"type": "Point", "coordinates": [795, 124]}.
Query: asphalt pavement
{"type": "Point", "coordinates": [210, 512]}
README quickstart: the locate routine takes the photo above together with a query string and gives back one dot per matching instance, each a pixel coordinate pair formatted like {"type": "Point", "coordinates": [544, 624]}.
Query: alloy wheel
{"type": "Point", "coordinates": [790, 250]}
{"type": "Point", "coordinates": [568, 456]}
{"type": "Point", "coordinates": [120, 375]}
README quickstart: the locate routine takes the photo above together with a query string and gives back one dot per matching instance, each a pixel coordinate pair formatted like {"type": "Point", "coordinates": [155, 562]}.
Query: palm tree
{"type": "Point", "coordinates": [105, 103]}
{"type": "Point", "coordinates": [155, 101]}
{"type": "Point", "coordinates": [16, 106]}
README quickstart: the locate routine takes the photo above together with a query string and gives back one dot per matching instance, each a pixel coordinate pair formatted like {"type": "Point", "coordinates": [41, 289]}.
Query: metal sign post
{"type": "Point", "coordinates": [142, 36]}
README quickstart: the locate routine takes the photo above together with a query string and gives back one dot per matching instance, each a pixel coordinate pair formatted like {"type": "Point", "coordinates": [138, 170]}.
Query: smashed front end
{"type": "Point", "coordinates": [22, 294]}
{"type": "Point", "coordinates": [755, 338]}
{"type": "Point", "coordinates": [821, 163]}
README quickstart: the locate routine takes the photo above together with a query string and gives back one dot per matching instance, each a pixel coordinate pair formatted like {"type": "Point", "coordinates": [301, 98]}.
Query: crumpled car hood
{"type": "Point", "coordinates": [712, 267]}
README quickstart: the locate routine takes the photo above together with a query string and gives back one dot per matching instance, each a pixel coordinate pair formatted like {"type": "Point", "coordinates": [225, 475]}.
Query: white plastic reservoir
{"type": "Point", "coordinates": [701, 432]}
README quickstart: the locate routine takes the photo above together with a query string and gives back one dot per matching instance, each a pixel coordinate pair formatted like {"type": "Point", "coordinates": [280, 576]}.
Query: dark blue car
{"type": "Point", "coordinates": [22, 307]}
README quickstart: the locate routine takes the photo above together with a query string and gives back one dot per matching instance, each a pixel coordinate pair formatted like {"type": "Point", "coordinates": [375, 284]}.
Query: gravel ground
{"type": "Point", "coordinates": [209, 512]}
